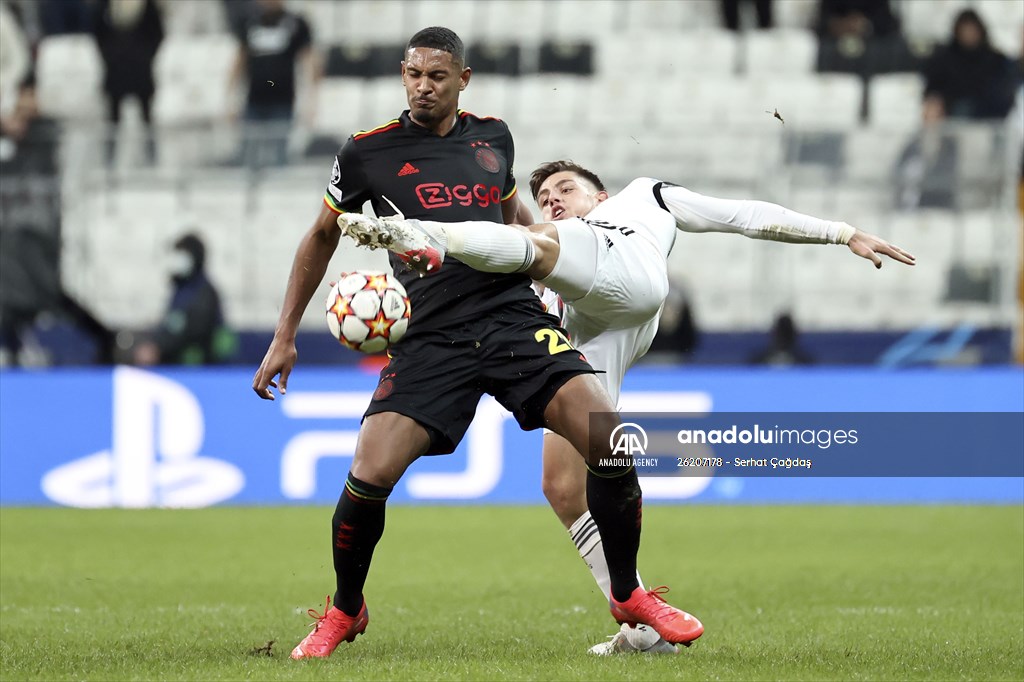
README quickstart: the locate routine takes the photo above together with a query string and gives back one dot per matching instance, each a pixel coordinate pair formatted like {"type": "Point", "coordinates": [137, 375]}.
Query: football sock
{"type": "Point", "coordinates": [488, 247]}
{"type": "Point", "coordinates": [615, 502]}
{"type": "Point", "coordinates": [575, 270]}
{"type": "Point", "coordinates": [357, 525]}
{"type": "Point", "coordinates": [587, 539]}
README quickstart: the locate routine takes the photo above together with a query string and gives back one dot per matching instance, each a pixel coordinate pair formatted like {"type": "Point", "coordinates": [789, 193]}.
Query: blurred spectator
{"type": "Point", "coordinates": [926, 170]}
{"type": "Point", "coordinates": [861, 37]}
{"type": "Point", "coordinates": [58, 17]}
{"type": "Point", "coordinates": [14, 59]}
{"type": "Point", "coordinates": [731, 13]}
{"type": "Point", "coordinates": [273, 42]}
{"type": "Point", "coordinates": [192, 331]}
{"type": "Point", "coordinates": [238, 13]}
{"type": "Point", "coordinates": [784, 348]}
{"type": "Point", "coordinates": [856, 19]}
{"type": "Point", "coordinates": [971, 78]}
{"type": "Point", "coordinates": [128, 35]}
{"type": "Point", "coordinates": [30, 234]}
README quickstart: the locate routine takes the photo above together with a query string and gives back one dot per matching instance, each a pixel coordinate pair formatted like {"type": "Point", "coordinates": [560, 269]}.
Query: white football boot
{"type": "Point", "coordinates": [641, 639]}
{"type": "Point", "coordinates": [401, 236]}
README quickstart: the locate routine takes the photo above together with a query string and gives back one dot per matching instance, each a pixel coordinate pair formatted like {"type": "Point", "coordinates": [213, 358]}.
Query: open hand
{"type": "Point", "coordinates": [869, 246]}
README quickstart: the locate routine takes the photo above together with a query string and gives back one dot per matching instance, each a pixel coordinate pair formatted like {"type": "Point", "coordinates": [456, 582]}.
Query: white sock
{"type": "Point", "coordinates": [587, 539]}
{"type": "Point", "coordinates": [488, 247]}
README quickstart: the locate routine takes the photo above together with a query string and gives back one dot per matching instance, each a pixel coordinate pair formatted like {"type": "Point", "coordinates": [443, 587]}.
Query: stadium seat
{"type": "Point", "coordinates": [194, 18]}
{"type": "Point", "coordinates": [644, 16]}
{"type": "Point", "coordinates": [363, 60]}
{"type": "Point", "coordinates": [384, 100]}
{"type": "Point", "coordinates": [192, 75]}
{"type": "Point", "coordinates": [853, 198]}
{"type": "Point", "coordinates": [69, 74]}
{"type": "Point", "coordinates": [472, 20]}
{"type": "Point", "coordinates": [326, 20]}
{"type": "Point", "coordinates": [983, 235]}
{"type": "Point", "coordinates": [371, 21]}
{"type": "Point", "coordinates": [870, 154]}
{"type": "Point", "coordinates": [575, 20]}
{"type": "Point", "coordinates": [693, 106]}
{"type": "Point", "coordinates": [560, 56]}
{"type": "Point", "coordinates": [930, 21]}
{"type": "Point", "coordinates": [894, 101]}
{"type": "Point", "coordinates": [799, 14]}
{"type": "Point", "coordinates": [616, 105]}
{"type": "Point", "coordinates": [549, 101]}
{"type": "Point", "coordinates": [706, 51]}
{"type": "Point", "coordinates": [817, 102]}
{"type": "Point", "coordinates": [491, 95]}
{"type": "Point", "coordinates": [780, 51]}
{"type": "Point", "coordinates": [340, 107]}
{"type": "Point", "coordinates": [491, 57]}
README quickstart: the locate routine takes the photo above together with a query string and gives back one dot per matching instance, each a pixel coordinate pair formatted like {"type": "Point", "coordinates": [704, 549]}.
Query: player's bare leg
{"type": "Point", "coordinates": [388, 443]}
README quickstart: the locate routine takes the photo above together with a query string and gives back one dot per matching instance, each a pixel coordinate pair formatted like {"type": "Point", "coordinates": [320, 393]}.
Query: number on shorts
{"type": "Point", "coordinates": [557, 343]}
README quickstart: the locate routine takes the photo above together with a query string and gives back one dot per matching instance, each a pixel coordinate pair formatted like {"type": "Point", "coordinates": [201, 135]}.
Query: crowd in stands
{"type": "Point", "coordinates": [284, 51]}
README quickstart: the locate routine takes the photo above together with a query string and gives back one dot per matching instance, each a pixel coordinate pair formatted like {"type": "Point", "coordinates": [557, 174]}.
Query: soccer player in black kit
{"type": "Point", "coordinates": [471, 333]}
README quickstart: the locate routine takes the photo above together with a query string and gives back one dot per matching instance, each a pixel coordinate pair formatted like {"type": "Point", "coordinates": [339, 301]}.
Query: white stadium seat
{"type": "Point", "coordinates": [372, 21]}
{"type": "Point", "coordinates": [931, 20]}
{"type": "Point", "coordinates": [643, 16]}
{"type": "Point", "coordinates": [780, 51]}
{"type": "Point", "coordinates": [69, 77]}
{"type": "Point", "coordinates": [833, 101]}
{"type": "Point", "coordinates": [465, 17]}
{"type": "Point", "coordinates": [339, 107]}
{"type": "Point", "coordinates": [501, 22]}
{"type": "Point", "coordinates": [556, 102]}
{"type": "Point", "coordinates": [599, 20]}
{"type": "Point", "coordinates": [616, 105]}
{"type": "Point", "coordinates": [192, 74]}
{"type": "Point", "coordinates": [490, 95]}
{"type": "Point", "coordinates": [795, 13]}
{"type": "Point", "coordinates": [894, 101]}
{"type": "Point", "coordinates": [870, 154]}
{"type": "Point", "coordinates": [706, 51]}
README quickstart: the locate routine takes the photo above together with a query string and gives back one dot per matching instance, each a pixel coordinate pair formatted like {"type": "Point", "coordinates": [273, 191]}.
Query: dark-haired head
{"type": "Point", "coordinates": [969, 31]}
{"type": "Point", "coordinates": [440, 38]}
{"type": "Point", "coordinates": [546, 170]}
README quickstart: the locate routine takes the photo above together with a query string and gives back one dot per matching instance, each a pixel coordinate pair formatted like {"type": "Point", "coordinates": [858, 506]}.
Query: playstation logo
{"type": "Point", "coordinates": [154, 458]}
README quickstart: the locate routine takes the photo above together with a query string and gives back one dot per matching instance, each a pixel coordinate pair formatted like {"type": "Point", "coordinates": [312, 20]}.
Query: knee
{"type": "Point", "coordinates": [567, 499]}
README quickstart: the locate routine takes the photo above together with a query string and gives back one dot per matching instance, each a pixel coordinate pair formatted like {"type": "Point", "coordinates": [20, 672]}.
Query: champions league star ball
{"type": "Point", "coordinates": [368, 311]}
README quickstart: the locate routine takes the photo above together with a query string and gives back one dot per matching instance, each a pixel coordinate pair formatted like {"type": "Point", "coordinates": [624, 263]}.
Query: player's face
{"type": "Point", "coordinates": [566, 195]}
{"type": "Point", "coordinates": [432, 85]}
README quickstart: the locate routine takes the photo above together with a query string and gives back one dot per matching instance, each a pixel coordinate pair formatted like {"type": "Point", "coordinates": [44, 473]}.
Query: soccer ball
{"type": "Point", "coordinates": [368, 311]}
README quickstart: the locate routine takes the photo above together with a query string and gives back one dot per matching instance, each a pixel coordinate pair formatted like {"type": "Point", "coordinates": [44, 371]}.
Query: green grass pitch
{"type": "Point", "coordinates": [498, 593]}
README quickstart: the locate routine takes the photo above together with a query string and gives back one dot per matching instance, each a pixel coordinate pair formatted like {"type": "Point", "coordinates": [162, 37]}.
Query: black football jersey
{"type": "Point", "coordinates": [462, 176]}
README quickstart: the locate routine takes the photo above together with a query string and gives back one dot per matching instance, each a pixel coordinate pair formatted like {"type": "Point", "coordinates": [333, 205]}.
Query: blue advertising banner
{"type": "Point", "coordinates": [126, 437]}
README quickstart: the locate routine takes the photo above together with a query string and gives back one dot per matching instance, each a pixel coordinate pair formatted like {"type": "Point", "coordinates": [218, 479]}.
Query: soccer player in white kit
{"type": "Point", "coordinates": [606, 258]}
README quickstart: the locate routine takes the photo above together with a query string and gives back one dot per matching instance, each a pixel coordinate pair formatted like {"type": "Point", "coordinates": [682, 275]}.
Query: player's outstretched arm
{"type": "Point", "coordinates": [308, 268]}
{"type": "Point", "coordinates": [763, 220]}
{"type": "Point", "coordinates": [869, 246]}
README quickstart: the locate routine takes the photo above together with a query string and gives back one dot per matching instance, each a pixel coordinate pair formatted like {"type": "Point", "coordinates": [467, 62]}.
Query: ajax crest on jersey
{"type": "Point", "coordinates": [368, 311]}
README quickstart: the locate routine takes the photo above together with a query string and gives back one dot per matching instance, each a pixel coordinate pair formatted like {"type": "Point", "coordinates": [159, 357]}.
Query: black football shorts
{"type": "Point", "coordinates": [437, 378]}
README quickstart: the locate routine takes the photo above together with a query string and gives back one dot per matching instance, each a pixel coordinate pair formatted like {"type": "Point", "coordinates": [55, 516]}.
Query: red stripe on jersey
{"type": "Point", "coordinates": [382, 129]}
{"type": "Point", "coordinates": [464, 114]}
{"type": "Point", "coordinates": [511, 194]}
